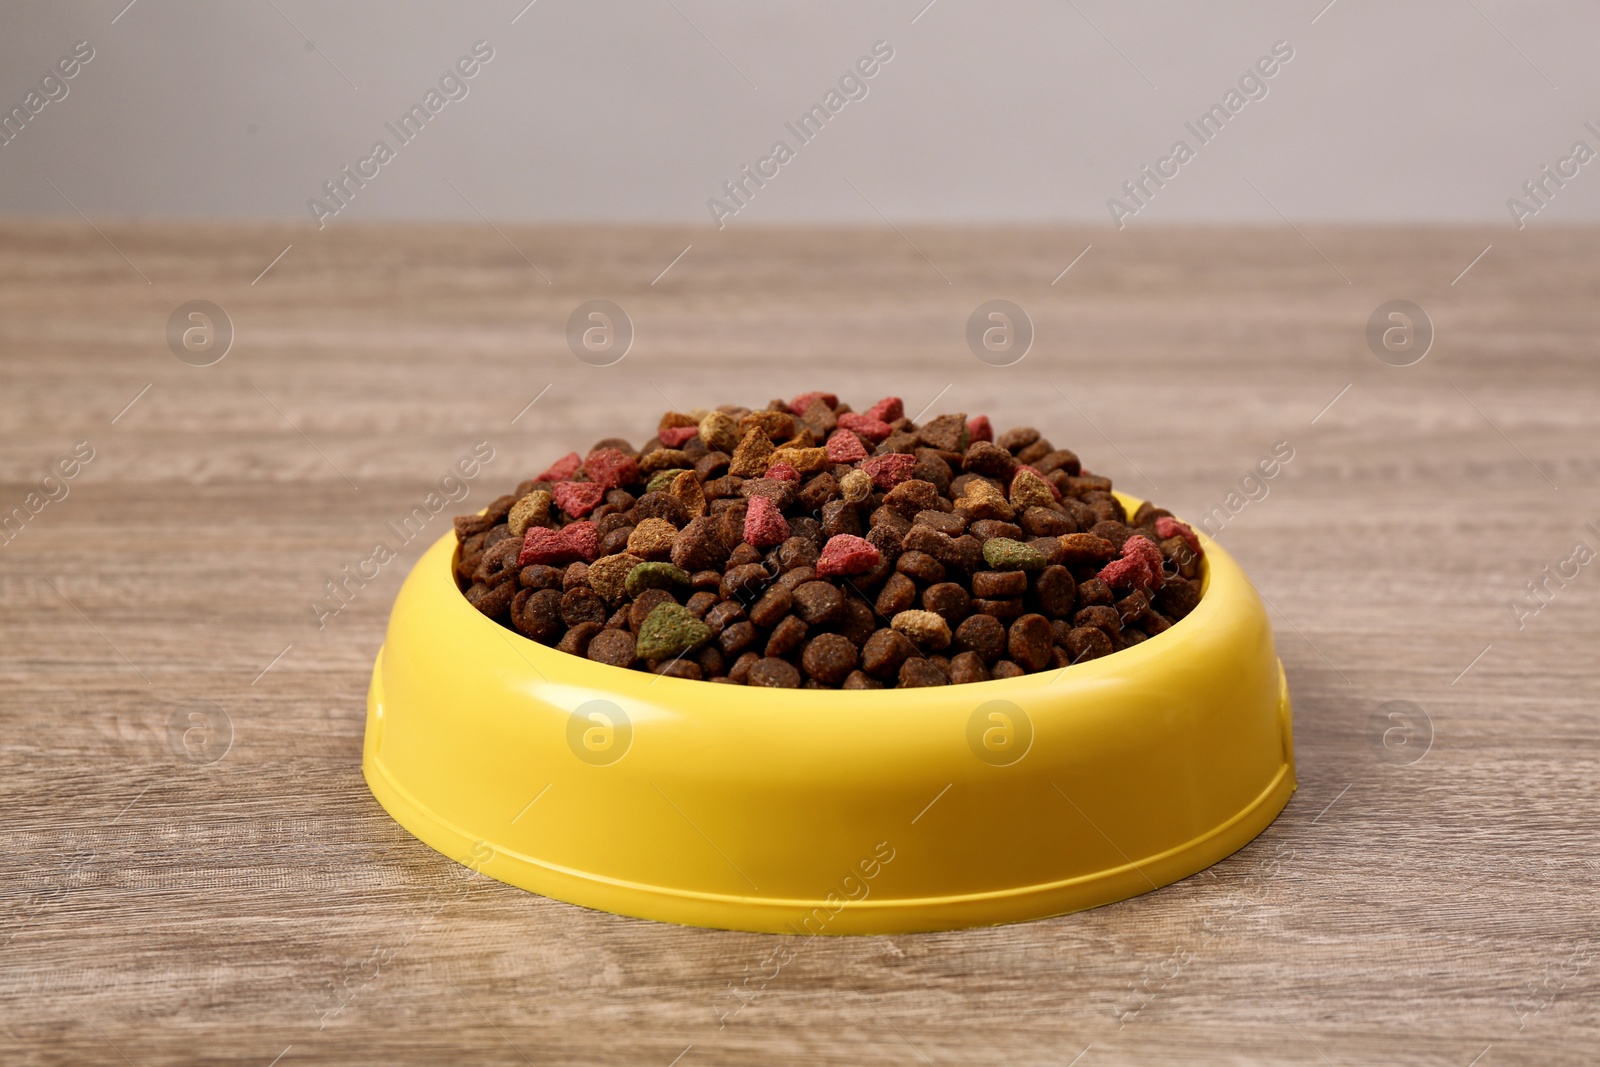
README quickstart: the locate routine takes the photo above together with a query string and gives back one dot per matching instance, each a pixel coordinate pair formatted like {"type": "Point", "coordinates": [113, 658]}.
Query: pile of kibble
{"type": "Point", "coordinates": [810, 545]}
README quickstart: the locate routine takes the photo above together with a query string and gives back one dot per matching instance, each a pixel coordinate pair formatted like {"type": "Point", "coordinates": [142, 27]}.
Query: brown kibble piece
{"type": "Point", "coordinates": [740, 671]}
{"type": "Point", "coordinates": [540, 576]}
{"type": "Point", "coordinates": [1153, 623]}
{"type": "Point", "coordinates": [1099, 616]}
{"type": "Point", "coordinates": [856, 621]}
{"type": "Point", "coordinates": [947, 433]}
{"type": "Point", "coordinates": [1046, 522]}
{"type": "Point", "coordinates": [999, 584]}
{"type": "Point", "coordinates": [745, 582]}
{"type": "Point", "coordinates": [494, 600]}
{"type": "Point", "coordinates": [898, 594]}
{"type": "Point", "coordinates": [576, 641]}
{"type": "Point", "coordinates": [1029, 640]}
{"type": "Point", "coordinates": [614, 647]}
{"type": "Point", "coordinates": [1056, 591]}
{"type": "Point", "coordinates": [792, 580]}
{"type": "Point", "coordinates": [950, 523]}
{"type": "Point", "coordinates": [1093, 591]}
{"type": "Point", "coordinates": [983, 457]}
{"type": "Point", "coordinates": [1004, 610]}
{"type": "Point", "coordinates": [676, 668]}
{"type": "Point", "coordinates": [1087, 642]}
{"type": "Point", "coordinates": [711, 661]}
{"type": "Point", "coordinates": [829, 658]}
{"type": "Point", "coordinates": [537, 614]}
{"type": "Point", "coordinates": [920, 565]}
{"type": "Point", "coordinates": [1086, 548]}
{"type": "Point", "coordinates": [1060, 459]}
{"type": "Point", "coordinates": [884, 651]}
{"type": "Point", "coordinates": [644, 604]}
{"type": "Point", "coordinates": [982, 634]}
{"type": "Point", "coordinates": [1017, 438]}
{"type": "Point", "coordinates": [947, 600]}
{"type": "Point", "coordinates": [916, 673]}
{"type": "Point", "coordinates": [986, 529]}
{"type": "Point", "coordinates": [583, 604]}
{"type": "Point", "coordinates": [738, 636]}
{"type": "Point", "coordinates": [661, 506]}
{"type": "Point", "coordinates": [786, 636]}
{"type": "Point", "coordinates": [968, 667]}
{"type": "Point", "coordinates": [861, 680]}
{"type": "Point", "coordinates": [615, 542]}
{"type": "Point", "coordinates": [724, 614]}
{"type": "Point", "coordinates": [1177, 597]}
{"type": "Point", "coordinates": [797, 551]}
{"type": "Point", "coordinates": [840, 517]}
{"type": "Point", "coordinates": [1113, 531]}
{"type": "Point", "coordinates": [701, 545]}
{"type": "Point", "coordinates": [912, 496]}
{"type": "Point", "coordinates": [818, 603]}
{"type": "Point", "coordinates": [774, 604]}
{"type": "Point", "coordinates": [773, 673]}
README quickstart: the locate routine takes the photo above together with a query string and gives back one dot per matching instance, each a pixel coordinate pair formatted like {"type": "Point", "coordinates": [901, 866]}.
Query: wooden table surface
{"type": "Point", "coordinates": [1429, 896]}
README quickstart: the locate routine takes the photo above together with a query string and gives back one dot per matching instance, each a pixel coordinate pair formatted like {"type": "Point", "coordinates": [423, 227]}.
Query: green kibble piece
{"type": "Point", "coordinates": [670, 630]}
{"type": "Point", "coordinates": [1004, 554]}
{"type": "Point", "coordinates": [654, 576]}
{"type": "Point", "coordinates": [661, 481]}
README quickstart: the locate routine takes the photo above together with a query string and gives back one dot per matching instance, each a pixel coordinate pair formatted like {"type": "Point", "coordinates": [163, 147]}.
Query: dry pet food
{"type": "Point", "coordinates": [810, 545]}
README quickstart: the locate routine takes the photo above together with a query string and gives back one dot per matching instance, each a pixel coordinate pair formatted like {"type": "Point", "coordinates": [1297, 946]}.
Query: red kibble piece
{"type": "Point", "coordinates": [978, 429]}
{"type": "Point", "coordinates": [890, 470]}
{"type": "Point", "coordinates": [1146, 549]}
{"type": "Point", "coordinates": [799, 404]}
{"type": "Point", "coordinates": [1124, 573]}
{"type": "Point", "coordinates": [1139, 568]}
{"type": "Point", "coordinates": [577, 499]}
{"type": "Point", "coordinates": [873, 429]}
{"type": "Point", "coordinates": [845, 447]}
{"type": "Point", "coordinates": [583, 540]}
{"type": "Point", "coordinates": [542, 545]}
{"type": "Point", "coordinates": [675, 436]}
{"type": "Point", "coordinates": [847, 554]}
{"type": "Point", "coordinates": [784, 471]}
{"type": "Point", "coordinates": [764, 524]}
{"type": "Point", "coordinates": [1167, 526]}
{"type": "Point", "coordinates": [562, 469]}
{"type": "Point", "coordinates": [887, 410]}
{"type": "Point", "coordinates": [610, 468]}
{"type": "Point", "coordinates": [580, 540]}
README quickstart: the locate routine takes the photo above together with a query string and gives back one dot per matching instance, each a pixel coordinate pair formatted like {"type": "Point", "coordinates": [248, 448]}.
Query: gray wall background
{"type": "Point", "coordinates": [1437, 110]}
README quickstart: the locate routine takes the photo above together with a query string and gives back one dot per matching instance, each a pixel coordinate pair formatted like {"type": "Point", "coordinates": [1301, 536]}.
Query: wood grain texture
{"type": "Point", "coordinates": [163, 911]}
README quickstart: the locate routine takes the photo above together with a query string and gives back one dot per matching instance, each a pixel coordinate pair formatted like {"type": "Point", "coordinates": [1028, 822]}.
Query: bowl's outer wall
{"type": "Point", "coordinates": [746, 808]}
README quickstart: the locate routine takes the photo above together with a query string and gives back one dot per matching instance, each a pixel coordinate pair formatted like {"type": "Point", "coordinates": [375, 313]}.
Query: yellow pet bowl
{"type": "Point", "coordinates": [829, 812]}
